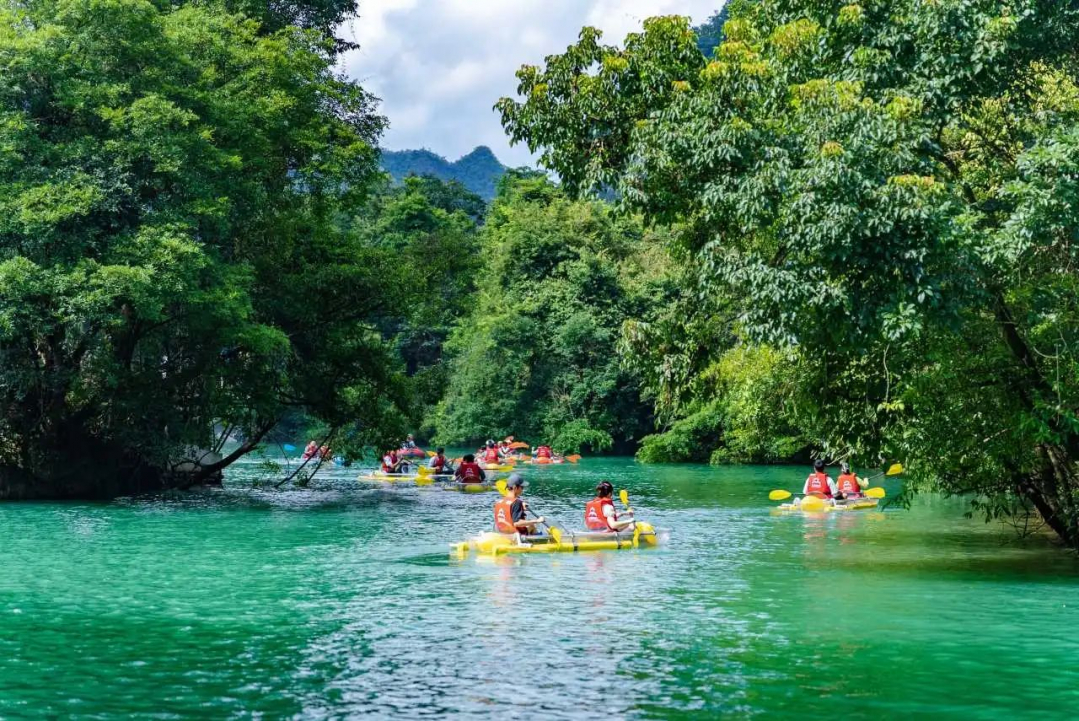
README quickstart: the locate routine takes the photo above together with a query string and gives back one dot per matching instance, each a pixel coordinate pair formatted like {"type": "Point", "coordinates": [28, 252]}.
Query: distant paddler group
{"type": "Point", "coordinates": [820, 493]}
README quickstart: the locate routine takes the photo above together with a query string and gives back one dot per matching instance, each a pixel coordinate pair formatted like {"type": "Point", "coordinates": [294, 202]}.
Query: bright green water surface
{"type": "Point", "coordinates": [341, 600]}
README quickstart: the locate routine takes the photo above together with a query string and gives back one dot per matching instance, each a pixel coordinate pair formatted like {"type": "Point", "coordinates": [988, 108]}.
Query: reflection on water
{"type": "Point", "coordinates": [341, 599]}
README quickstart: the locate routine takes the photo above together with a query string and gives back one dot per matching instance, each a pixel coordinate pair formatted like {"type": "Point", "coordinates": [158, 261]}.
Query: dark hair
{"type": "Point", "coordinates": [469, 458]}
{"type": "Point", "coordinates": [818, 464]}
{"type": "Point", "coordinates": [605, 489]}
{"type": "Point", "coordinates": [441, 450]}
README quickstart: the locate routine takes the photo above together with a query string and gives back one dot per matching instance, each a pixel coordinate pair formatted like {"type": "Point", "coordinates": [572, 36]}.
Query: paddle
{"type": "Point", "coordinates": [877, 492]}
{"type": "Point", "coordinates": [289, 447]}
{"type": "Point", "coordinates": [573, 458]}
{"type": "Point", "coordinates": [779, 495]}
{"type": "Point", "coordinates": [556, 534]}
{"type": "Point", "coordinates": [623, 496]}
{"type": "Point", "coordinates": [893, 470]}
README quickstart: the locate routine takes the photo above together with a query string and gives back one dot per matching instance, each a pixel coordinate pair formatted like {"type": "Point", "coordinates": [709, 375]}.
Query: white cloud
{"type": "Point", "coordinates": [440, 65]}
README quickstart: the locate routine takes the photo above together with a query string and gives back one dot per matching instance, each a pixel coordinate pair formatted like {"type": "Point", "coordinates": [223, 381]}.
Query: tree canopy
{"type": "Point", "coordinates": [171, 271]}
{"type": "Point", "coordinates": [537, 355]}
{"type": "Point", "coordinates": [883, 188]}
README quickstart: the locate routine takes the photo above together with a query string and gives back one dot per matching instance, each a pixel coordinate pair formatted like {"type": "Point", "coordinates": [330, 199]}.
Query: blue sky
{"type": "Point", "coordinates": [440, 65]}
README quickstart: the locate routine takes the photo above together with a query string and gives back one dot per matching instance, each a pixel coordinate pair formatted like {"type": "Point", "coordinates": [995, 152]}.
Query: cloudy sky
{"type": "Point", "coordinates": [440, 65]}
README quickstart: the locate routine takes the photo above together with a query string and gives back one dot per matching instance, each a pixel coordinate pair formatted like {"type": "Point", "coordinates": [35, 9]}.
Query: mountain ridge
{"type": "Point", "coordinates": [478, 170]}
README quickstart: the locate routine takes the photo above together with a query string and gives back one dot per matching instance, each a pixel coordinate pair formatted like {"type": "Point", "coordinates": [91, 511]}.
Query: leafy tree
{"type": "Point", "coordinates": [170, 264]}
{"type": "Point", "coordinates": [537, 356]}
{"type": "Point", "coordinates": [886, 188]}
{"type": "Point", "coordinates": [430, 227]}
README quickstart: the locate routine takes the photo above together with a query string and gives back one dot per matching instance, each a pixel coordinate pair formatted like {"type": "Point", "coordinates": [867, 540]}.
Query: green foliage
{"type": "Point", "coordinates": [884, 188]}
{"type": "Point", "coordinates": [746, 408]}
{"type": "Point", "coordinates": [430, 228]}
{"type": "Point", "coordinates": [537, 356]}
{"type": "Point", "coordinates": [169, 259]}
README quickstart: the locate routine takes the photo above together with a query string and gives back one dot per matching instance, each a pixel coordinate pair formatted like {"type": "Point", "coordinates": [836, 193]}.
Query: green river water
{"type": "Point", "coordinates": [342, 600]}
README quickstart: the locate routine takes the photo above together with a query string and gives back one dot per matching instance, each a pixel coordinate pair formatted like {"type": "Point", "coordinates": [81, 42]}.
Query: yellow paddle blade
{"type": "Point", "coordinates": [812, 504]}
{"type": "Point", "coordinates": [636, 536]}
{"type": "Point", "coordinates": [501, 486]}
{"type": "Point", "coordinates": [422, 480]}
{"type": "Point", "coordinates": [778, 495]}
{"type": "Point", "coordinates": [556, 534]}
{"type": "Point", "coordinates": [875, 493]}
{"type": "Point", "coordinates": [423, 471]}
{"type": "Point", "coordinates": [431, 454]}
{"type": "Point", "coordinates": [895, 469]}
{"type": "Point", "coordinates": [624, 496]}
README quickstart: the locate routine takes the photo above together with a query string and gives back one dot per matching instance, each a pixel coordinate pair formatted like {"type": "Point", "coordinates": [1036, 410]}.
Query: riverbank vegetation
{"type": "Point", "coordinates": [886, 192]}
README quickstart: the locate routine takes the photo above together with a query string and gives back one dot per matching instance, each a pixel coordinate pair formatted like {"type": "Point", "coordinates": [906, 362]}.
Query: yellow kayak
{"type": "Point", "coordinates": [468, 487]}
{"type": "Point", "coordinates": [497, 544]}
{"type": "Point", "coordinates": [405, 478]}
{"type": "Point", "coordinates": [856, 504]}
{"type": "Point", "coordinates": [497, 467]}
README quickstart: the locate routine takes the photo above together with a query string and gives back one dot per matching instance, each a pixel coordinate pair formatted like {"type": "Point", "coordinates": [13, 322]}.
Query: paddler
{"type": "Point", "coordinates": [490, 453]}
{"type": "Point", "coordinates": [848, 484]}
{"type": "Point", "coordinates": [310, 450]}
{"type": "Point", "coordinates": [391, 462]}
{"type": "Point", "coordinates": [511, 512]}
{"type": "Point", "coordinates": [409, 443]}
{"type": "Point", "coordinates": [543, 452]}
{"type": "Point", "coordinates": [600, 514]}
{"type": "Point", "coordinates": [439, 463]}
{"type": "Point", "coordinates": [469, 471]}
{"type": "Point", "coordinates": [819, 483]}
{"type": "Point", "coordinates": [504, 450]}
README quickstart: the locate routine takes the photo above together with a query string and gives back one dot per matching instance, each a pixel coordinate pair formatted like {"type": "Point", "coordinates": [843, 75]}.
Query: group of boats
{"type": "Point", "coordinates": [560, 540]}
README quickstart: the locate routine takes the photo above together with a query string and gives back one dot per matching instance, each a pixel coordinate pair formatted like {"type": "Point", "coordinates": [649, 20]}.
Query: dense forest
{"type": "Point", "coordinates": [801, 228]}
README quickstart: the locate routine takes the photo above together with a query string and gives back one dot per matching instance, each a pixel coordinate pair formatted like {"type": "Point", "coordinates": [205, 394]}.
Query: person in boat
{"type": "Point", "coordinates": [439, 463]}
{"type": "Point", "coordinates": [392, 463]}
{"type": "Point", "coordinates": [543, 452]}
{"type": "Point", "coordinates": [504, 450]}
{"type": "Point", "coordinates": [409, 444]}
{"type": "Point", "coordinates": [469, 471]}
{"type": "Point", "coordinates": [490, 453]}
{"type": "Point", "coordinates": [310, 451]}
{"type": "Point", "coordinates": [819, 483]}
{"type": "Point", "coordinates": [848, 484]}
{"type": "Point", "coordinates": [511, 511]}
{"type": "Point", "coordinates": [600, 514]}
{"type": "Point", "coordinates": [324, 453]}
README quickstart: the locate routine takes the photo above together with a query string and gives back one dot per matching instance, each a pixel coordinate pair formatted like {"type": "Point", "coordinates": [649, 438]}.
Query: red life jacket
{"type": "Point", "coordinates": [818, 485]}
{"type": "Point", "coordinates": [438, 463]}
{"type": "Point", "coordinates": [469, 473]}
{"type": "Point", "coordinates": [393, 462]}
{"type": "Point", "coordinates": [504, 515]}
{"type": "Point", "coordinates": [594, 518]}
{"type": "Point", "coordinates": [543, 452]}
{"type": "Point", "coordinates": [847, 483]}
{"type": "Point", "coordinates": [490, 455]}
